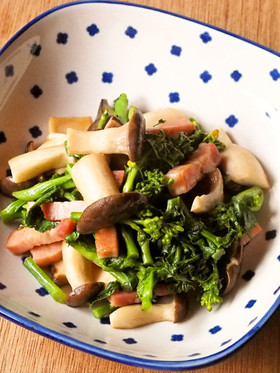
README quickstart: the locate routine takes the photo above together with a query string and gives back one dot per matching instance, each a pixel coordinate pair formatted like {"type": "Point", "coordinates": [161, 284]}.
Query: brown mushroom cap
{"type": "Point", "coordinates": [180, 307]}
{"type": "Point", "coordinates": [136, 134]}
{"type": "Point", "coordinates": [232, 266]}
{"type": "Point", "coordinates": [83, 294]}
{"type": "Point", "coordinates": [8, 186]}
{"type": "Point", "coordinates": [109, 210]}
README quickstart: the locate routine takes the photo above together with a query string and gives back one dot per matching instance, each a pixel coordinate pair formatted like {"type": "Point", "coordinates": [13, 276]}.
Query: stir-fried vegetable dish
{"type": "Point", "coordinates": [133, 213]}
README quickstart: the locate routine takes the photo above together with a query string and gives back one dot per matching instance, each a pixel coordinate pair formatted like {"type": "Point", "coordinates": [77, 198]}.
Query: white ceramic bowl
{"type": "Point", "coordinates": [61, 64]}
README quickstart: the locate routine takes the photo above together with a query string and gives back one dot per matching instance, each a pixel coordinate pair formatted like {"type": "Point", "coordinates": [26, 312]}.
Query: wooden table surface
{"type": "Point", "coordinates": [23, 351]}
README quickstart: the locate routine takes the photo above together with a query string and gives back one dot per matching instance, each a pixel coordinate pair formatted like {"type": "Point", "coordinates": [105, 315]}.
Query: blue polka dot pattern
{"type": "Point", "coordinates": [175, 50]}
{"type": "Point", "coordinates": [251, 303]}
{"type": "Point", "coordinates": [35, 131]}
{"type": "Point", "coordinates": [275, 74]}
{"type": "Point", "coordinates": [174, 97]}
{"type": "Point", "coordinates": [236, 75]}
{"type": "Point", "coordinates": [177, 337]}
{"type": "Point", "coordinates": [42, 292]}
{"type": "Point", "coordinates": [151, 69]}
{"type": "Point", "coordinates": [2, 137]}
{"type": "Point", "coordinates": [278, 258]}
{"type": "Point", "coordinates": [129, 341]}
{"type": "Point", "coordinates": [9, 71]}
{"type": "Point", "coordinates": [231, 121]}
{"type": "Point", "coordinates": [93, 29]}
{"type": "Point", "coordinates": [215, 329]}
{"type": "Point", "coordinates": [35, 49]}
{"type": "Point", "coordinates": [2, 286]}
{"type": "Point", "coordinates": [205, 76]}
{"type": "Point", "coordinates": [131, 32]}
{"type": "Point", "coordinates": [205, 37]}
{"type": "Point", "coordinates": [36, 91]}
{"type": "Point", "coordinates": [107, 77]}
{"type": "Point", "coordinates": [71, 77]}
{"type": "Point", "coordinates": [69, 324]}
{"type": "Point", "coordinates": [99, 341]}
{"type": "Point", "coordinates": [62, 38]}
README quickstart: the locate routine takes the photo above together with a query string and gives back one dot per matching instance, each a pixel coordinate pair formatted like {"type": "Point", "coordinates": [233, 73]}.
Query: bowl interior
{"type": "Point", "coordinates": [62, 64]}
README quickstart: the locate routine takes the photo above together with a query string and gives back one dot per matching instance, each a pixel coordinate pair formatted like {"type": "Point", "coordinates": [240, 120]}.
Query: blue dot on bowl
{"type": "Point", "coordinates": [35, 49]}
{"type": "Point", "coordinates": [33, 314]}
{"type": "Point", "coordinates": [131, 32]}
{"type": "Point", "coordinates": [35, 131]}
{"type": "Point", "coordinates": [9, 71]}
{"type": "Point", "coordinates": [107, 77]}
{"type": "Point", "coordinates": [69, 324]}
{"type": "Point", "coordinates": [251, 303]}
{"type": "Point", "coordinates": [205, 37]}
{"type": "Point", "coordinates": [62, 38]}
{"type": "Point", "coordinates": [176, 50]}
{"type": "Point", "coordinates": [236, 75]}
{"type": "Point", "coordinates": [205, 76]}
{"type": "Point", "coordinates": [71, 77]}
{"type": "Point", "coordinates": [93, 29]}
{"type": "Point", "coordinates": [215, 329]}
{"type": "Point", "coordinates": [248, 275]}
{"type": "Point", "coordinates": [270, 235]}
{"type": "Point", "coordinates": [177, 337]}
{"type": "Point", "coordinates": [151, 69]}
{"type": "Point", "coordinates": [231, 121]}
{"type": "Point", "coordinates": [129, 341]}
{"type": "Point", "coordinates": [174, 97]}
{"type": "Point", "coordinates": [36, 91]}
{"type": "Point", "coordinates": [2, 137]}
{"type": "Point", "coordinates": [42, 292]}
{"type": "Point", "coordinates": [2, 286]}
{"type": "Point", "coordinates": [275, 74]}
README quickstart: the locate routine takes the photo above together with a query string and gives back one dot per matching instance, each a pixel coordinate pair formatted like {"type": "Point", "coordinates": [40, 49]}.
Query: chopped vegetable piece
{"type": "Point", "coordinates": [56, 293]}
{"type": "Point", "coordinates": [106, 242]}
{"type": "Point", "coordinates": [45, 255]}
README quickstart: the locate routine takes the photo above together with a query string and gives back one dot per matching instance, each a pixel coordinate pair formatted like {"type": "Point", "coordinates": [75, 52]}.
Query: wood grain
{"type": "Point", "coordinates": [23, 351]}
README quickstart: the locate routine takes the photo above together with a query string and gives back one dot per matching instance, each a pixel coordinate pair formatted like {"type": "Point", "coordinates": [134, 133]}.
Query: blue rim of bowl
{"type": "Point", "coordinates": [101, 352]}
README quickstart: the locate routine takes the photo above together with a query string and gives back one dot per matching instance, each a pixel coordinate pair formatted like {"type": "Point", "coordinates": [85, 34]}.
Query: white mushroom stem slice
{"type": "Point", "coordinates": [224, 137]}
{"type": "Point", "coordinates": [126, 139]}
{"type": "Point", "coordinates": [167, 114]}
{"type": "Point", "coordinates": [28, 165]}
{"type": "Point", "coordinates": [58, 273]}
{"type": "Point", "coordinates": [54, 140]}
{"type": "Point", "coordinates": [102, 276]}
{"type": "Point", "coordinates": [60, 125]}
{"type": "Point", "coordinates": [207, 202]}
{"type": "Point", "coordinates": [132, 316]}
{"type": "Point", "coordinates": [93, 177]}
{"type": "Point", "coordinates": [79, 272]}
{"type": "Point", "coordinates": [242, 167]}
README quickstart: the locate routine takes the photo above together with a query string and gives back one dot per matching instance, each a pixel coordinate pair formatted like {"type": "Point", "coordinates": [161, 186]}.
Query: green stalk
{"type": "Point", "coordinates": [132, 251]}
{"type": "Point", "coordinates": [57, 294]}
{"type": "Point", "coordinates": [90, 253]}
{"type": "Point", "coordinates": [103, 311]}
{"type": "Point", "coordinates": [146, 253]}
{"type": "Point", "coordinates": [11, 212]}
{"type": "Point", "coordinates": [37, 190]}
{"type": "Point", "coordinates": [131, 174]}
